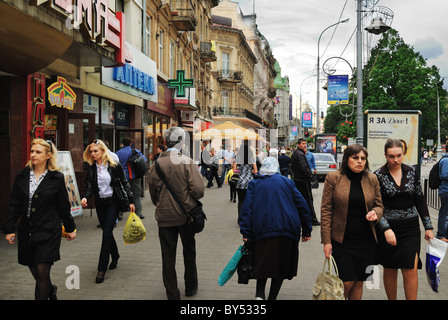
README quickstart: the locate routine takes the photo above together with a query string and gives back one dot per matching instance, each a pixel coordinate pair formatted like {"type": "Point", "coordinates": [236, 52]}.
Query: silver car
{"type": "Point", "coordinates": [325, 163]}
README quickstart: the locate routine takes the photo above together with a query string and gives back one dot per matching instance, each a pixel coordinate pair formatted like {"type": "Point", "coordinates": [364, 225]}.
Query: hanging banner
{"type": "Point", "coordinates": [337, 89]}
{"type": "Point", "coordinates": [307, 119]}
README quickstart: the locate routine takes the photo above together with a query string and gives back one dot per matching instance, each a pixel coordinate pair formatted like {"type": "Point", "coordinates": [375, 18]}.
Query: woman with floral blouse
{"type": "Point", "coordinates": [404, 202]}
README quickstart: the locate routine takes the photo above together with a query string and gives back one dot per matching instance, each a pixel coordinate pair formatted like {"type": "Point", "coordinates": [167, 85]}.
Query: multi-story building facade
{"type": "Point", "coordinates": [232, 75]}
{"type": "Point", "coordinates": [264, 71]}
{"type": "Point", "coordinates": [282, 106]}
{"type": "Point", "coordinates": [70, 79]}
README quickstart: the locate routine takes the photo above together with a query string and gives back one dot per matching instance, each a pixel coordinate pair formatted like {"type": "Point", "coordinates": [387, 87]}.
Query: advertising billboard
{"type": "Point", "coordinates": [381, 125]}
{"type": "Point", "coordinates": [337, 89]}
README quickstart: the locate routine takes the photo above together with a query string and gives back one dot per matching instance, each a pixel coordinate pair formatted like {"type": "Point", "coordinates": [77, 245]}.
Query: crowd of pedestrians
{"type": "Point", "coordinates": [366, 218]}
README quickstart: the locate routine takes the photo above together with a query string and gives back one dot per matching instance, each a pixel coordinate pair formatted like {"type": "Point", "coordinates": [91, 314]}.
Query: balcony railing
{"type": "Point", "coordinates": [207, 54]}
{"type": "Point", "coordinates": [235, 112]}
{"type": "Point", "coordinates": [183, 16]}
{"type": "Point", "coordinates": [230, 75]}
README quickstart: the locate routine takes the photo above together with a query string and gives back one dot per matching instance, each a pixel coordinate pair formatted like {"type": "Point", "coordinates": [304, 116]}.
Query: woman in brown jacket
{"type": "Point", "coordinates": [351, 205]}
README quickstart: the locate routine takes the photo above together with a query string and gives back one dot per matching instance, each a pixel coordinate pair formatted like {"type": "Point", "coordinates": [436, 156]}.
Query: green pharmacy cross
{"type": "Point", "coordinates": [181, 83]}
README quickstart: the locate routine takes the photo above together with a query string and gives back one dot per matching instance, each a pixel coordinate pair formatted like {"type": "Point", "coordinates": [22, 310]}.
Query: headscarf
{"type": "Point", "coordinates": [269, 166]}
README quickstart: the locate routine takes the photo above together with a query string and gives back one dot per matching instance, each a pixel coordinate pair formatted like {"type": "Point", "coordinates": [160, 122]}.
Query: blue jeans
{"type": "Point", "coordinates": [442, 225]}
{"type": "Point", "coordinates": [225, 168]}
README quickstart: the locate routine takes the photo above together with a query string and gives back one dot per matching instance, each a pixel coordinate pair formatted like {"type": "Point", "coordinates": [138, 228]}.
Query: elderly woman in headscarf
{"type": "Point", "coordinates": [273, 218]}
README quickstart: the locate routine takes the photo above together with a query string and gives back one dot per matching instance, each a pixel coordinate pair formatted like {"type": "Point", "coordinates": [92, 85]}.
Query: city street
{"type": "Point", "coordinates": [138, 275]}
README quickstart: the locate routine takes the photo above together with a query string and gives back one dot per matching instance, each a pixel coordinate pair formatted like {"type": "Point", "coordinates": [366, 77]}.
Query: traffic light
{"type": "Point", "coordinates": [307, 134]}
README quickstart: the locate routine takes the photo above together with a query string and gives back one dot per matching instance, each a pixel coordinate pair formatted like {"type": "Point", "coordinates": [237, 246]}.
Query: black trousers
{"type": "Point", "coordinates": [168, 242]}
{"type": "Point", "coordinates": [232, 191]}
{"type": "Point", "coordinates": [107, 211]}
{"type": "Point", "coordinates": [304, 187]}
{"type": "Point", "coordinates": [214, 174]}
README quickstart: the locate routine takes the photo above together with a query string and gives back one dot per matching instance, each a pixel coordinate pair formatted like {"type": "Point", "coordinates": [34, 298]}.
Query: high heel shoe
{"type": "Point", "coordinates": [100, 277]}
{"type": "Point", "coordinates": [113, 264]}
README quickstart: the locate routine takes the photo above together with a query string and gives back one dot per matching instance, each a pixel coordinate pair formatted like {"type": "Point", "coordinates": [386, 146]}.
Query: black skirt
{"type": "Point", "coordinates": [354, 260]}
{"type": "Point", "coordinates": [401, 256]}
{"type": "Point", "coordinates": [275, 257]}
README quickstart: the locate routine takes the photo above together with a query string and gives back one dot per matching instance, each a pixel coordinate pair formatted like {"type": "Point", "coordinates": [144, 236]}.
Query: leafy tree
{"type": "Point", "coordinates": [398, 78]}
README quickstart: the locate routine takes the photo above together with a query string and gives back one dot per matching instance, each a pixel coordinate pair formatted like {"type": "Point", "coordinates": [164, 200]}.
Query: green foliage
{"type": "Point", "coordinates": [398, 78]}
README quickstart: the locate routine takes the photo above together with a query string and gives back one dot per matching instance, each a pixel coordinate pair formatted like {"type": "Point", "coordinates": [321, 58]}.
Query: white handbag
{"type": "Point", "coordinates": [328, 285]}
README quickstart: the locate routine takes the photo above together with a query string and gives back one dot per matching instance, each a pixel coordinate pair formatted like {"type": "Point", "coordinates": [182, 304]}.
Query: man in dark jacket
{"type": "Point", "coordinates": [136, 182]}
{"type": "Point", "coordinates": [303, 175]}
{"type": "Point", "coordinates": [284, 162]}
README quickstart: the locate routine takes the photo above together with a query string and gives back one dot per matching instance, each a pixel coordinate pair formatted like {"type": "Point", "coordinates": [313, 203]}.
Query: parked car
{"type": "Point", "coordinates": [325, 163]}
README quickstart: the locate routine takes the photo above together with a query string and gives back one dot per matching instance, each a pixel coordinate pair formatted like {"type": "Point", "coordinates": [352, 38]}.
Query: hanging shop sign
{"type": "Point", "coordinates": [94, 19]}
{"type": "Point", "coordinates": [136, 77]}
{"type": "Point", "coordinates": [61, 95]}
{"type": "Point", "coordinates": [38, 106]}
{"type": "Point", "coordinates": [164, 104]}
{"type": "Point", "coordinates": [188, 99]}
{"type": "Point", "coordinates": [180, 84]}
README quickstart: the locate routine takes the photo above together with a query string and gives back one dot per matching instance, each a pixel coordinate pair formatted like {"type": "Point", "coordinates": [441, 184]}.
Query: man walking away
{"type": "Point", "coordinates": [303, 175]}
{"type": "Point", "coordinates": [136, 183]}
{"type": "Point", "coordinates": [285, 163]}
{"type": "Point", "coordinates": [187, 184]}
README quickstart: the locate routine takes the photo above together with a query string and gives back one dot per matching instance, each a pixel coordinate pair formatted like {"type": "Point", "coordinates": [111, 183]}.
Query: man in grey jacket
{"type": "Point", "coordinates": [186, 181]}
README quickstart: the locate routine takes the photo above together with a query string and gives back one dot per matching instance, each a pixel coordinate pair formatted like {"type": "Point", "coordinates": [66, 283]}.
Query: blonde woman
{"type": "Point", "coordinates": [103, 174]}
{"type": "Point", "coordinates": [39, 197]}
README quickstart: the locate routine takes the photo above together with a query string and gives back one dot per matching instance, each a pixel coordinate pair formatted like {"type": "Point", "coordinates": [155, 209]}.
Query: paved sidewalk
{"type": "Point", "coordinates": [138, 275]}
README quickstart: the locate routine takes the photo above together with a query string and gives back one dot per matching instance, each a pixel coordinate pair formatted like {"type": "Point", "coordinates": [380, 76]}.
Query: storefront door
{"type": "Point", "coordinates": [80, 133]}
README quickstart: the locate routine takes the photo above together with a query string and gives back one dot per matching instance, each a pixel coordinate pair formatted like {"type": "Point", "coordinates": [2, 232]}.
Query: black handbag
{"type": "Point", "coordinates": [121, 195]}
{"type": "Point", "coordinates": [196, 216]}
{"type": "Point", "coordinates": [245, 267]}
{"type": "Point", "coordinates": [315, 182]}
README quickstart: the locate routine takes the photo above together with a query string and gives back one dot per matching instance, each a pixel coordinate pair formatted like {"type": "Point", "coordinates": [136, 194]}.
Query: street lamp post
{"type": "Point", "coordinates": [318, 77]}
{"type": "Point", "coordinates": [439, 143]}
{"type": "Point", "coordinates": [377, 27]}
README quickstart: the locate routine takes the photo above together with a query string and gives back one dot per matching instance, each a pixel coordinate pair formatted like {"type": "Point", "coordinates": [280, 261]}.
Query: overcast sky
{"type": "Point", "coordinates": [292, 28]}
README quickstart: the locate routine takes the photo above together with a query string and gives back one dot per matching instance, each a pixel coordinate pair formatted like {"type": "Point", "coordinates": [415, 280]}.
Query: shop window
{"type": "Point", "coordinates": [161, 50]}
{"type": "Point", "coordinates": [107, 112]}
{"type": "Point", "coordinates": [148, 36]}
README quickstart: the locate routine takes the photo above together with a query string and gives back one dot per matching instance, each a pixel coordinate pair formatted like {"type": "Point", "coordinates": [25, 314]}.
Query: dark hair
{"type": "Point", "coordinates": [352, 150]}
{"type": "Point", "coordinates": [127, 141]}
{"type": "Point", "coordinates": [161, 147]}
{"type": "Point", "coordinates": [393, 143]}
{"type": "Point", "coordinates": [300, 140]}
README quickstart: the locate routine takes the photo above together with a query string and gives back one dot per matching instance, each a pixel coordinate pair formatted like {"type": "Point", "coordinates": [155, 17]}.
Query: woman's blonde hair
{"type": "Point", "coordinates": [106, 154]}
{"type": "Point", "coordinates": [53, 162]}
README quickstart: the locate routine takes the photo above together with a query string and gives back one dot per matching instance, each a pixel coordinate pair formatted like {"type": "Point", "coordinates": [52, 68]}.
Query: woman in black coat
{"type": "Point", "coordinates": [39, 197]}
{"type": "Point", "coordinates": [102, 179]}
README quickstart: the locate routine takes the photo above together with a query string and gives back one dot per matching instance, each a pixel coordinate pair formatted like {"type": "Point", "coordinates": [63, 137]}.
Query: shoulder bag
{"type": "Point", "coordinates": [195, 215]}
{"type": "Point", "coordinates": [328, 285]}
{"type": "Point", "coordinates": [120, 195]}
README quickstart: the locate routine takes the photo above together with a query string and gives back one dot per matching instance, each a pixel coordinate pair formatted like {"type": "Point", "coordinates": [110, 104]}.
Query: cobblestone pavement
{"type": "Point", "coordinates": [138, 275]}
